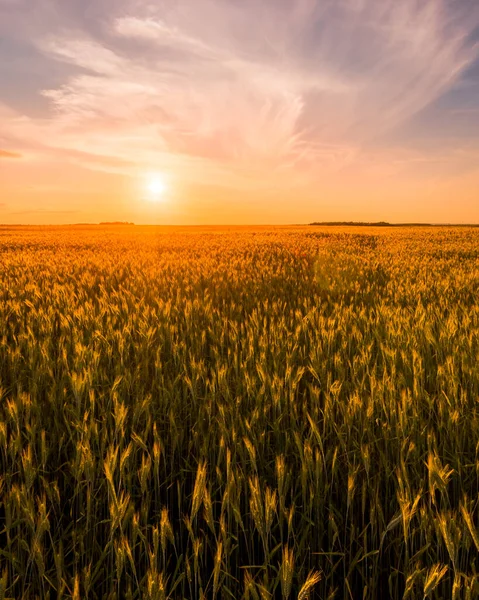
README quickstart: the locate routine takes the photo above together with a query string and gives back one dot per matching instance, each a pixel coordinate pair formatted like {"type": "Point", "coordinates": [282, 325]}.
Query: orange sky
{"type": "Point", "coordinates": [288, 111]}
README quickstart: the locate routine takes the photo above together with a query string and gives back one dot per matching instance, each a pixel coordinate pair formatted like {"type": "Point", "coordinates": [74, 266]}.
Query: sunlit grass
{"type": "Point", "coordinates": [253, 413]}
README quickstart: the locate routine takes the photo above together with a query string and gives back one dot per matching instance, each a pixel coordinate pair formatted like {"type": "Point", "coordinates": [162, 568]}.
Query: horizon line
{"type": "Point", "coordinates": [379, 224]}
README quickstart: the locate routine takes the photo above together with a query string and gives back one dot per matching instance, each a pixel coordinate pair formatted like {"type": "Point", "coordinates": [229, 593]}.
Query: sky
{"type": "Point", "coordinates": [227, 111]}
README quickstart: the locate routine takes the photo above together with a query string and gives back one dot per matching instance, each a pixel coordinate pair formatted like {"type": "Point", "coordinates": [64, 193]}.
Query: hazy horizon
{"type": "Point", "coordinates": [213, 112]}
{"type": "Point", "coordinates": [265, 225]}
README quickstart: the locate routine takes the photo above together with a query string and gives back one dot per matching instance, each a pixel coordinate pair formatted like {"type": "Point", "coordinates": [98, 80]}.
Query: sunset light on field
{"type": "Point", "coordinates": [239, 314]}
{"type": "Point", "coordinates": [283, 111]}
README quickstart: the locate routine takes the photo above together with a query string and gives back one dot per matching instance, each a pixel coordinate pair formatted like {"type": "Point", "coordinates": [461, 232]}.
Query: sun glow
{"type": "Point", "coordinates": [156, 188]}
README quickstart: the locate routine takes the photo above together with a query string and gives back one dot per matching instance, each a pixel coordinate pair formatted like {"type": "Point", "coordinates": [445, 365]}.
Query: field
{"type": "Point", "coordinates": [246, 413]}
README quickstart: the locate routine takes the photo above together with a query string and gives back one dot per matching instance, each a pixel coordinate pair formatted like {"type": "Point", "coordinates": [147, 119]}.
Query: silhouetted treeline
{"type": "Point", "coordinates": [116, 223]}
{"type": "Point", "coordinates": [386, 224]}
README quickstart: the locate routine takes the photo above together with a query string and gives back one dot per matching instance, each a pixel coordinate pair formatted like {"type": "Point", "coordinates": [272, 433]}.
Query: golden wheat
{"type": "Point", "coordinates": [227, 413]}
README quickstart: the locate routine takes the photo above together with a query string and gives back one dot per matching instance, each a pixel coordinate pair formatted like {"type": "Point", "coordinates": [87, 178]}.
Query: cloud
{"type": "Point", "coordinates": [245, 93]}
{"type": "Point", "coordinates": [41, 211]}
{"type": "Point", "coordinates": [8, 154]}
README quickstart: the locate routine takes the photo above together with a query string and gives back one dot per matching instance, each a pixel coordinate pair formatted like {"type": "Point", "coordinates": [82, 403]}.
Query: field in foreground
{"type": "Point", "coordinates": [232, 413]}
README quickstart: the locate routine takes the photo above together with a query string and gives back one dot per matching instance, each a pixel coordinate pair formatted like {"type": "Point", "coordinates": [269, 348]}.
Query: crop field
{"type": "Point", "coordinates": [242, 413]}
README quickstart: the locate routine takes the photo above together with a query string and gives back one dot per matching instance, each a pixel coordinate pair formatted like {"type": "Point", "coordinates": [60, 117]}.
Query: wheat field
{"type": "Point", "coordinates": [239, 413]}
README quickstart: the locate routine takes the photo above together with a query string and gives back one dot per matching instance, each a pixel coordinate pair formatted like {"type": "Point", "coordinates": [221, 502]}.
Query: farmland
{"type": "Point", "coordinates": [242, 413]}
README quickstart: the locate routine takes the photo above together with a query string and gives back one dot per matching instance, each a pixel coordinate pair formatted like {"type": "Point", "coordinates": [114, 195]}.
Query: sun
{"type": "Point", "coordinates": [156, 187]}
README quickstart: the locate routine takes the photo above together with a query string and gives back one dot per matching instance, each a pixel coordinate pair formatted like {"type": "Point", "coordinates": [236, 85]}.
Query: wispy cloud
{"type": "Point", "coordinates": [247, 93]}
{"type": "Point", "coordinates": [42, 211]}
{"type": "Point", "coordinates": [8, 154]}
